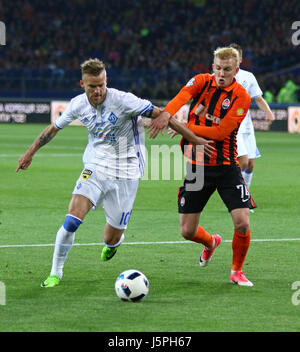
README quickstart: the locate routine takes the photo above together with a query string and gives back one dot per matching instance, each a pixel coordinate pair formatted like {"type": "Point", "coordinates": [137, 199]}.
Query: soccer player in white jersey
{"type": "Point", "coordinates": [246, 141]}
{"type": "Point", "coordinates": [113, 160]}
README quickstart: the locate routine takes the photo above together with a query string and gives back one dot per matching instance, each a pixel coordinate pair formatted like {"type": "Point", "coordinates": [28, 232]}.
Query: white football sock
{"type": "Point", "coordinates": [116, 244]}
{"type": "Point", "coordinates": [247, 177]}
{"type": "Point", "coordinates": [63, 244]}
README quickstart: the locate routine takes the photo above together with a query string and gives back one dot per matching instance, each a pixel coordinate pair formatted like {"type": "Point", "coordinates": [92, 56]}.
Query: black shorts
{"type": "Point", "coordinates": [229, 183]}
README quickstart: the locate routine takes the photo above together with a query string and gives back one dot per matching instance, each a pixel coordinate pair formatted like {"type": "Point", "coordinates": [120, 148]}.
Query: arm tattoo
{"type": "Point", "coordinates": [44, 139]}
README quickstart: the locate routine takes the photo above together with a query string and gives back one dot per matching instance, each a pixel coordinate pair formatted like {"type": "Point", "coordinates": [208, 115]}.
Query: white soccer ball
{"type": "Point", "coordinates": [132, 285]}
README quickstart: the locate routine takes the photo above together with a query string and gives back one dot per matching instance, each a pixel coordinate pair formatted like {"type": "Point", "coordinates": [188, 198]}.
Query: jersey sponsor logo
{"type": "Point", "coordinates": [112, 118]}
{"type": "Point", "coordinates": [226, 103]}
{"type": "Point", "coordinates": [190, 82]}
{"type": "Point", "coordinates": [200, 109]}
{"type": "Point", "coordinates": [212, 118]}
{"type": "Point", "coordinates": [86, 120]}
{"type": "Point", "coordinates": [86, 174]}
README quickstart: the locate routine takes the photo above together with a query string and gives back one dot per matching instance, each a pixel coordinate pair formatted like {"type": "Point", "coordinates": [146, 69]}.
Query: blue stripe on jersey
{"type": "Point", "coordinates": [147, 111]}
{"type": "Point", "coordinates": [57, 126]}
{"type": "Point", "coordinates": [137, 143]}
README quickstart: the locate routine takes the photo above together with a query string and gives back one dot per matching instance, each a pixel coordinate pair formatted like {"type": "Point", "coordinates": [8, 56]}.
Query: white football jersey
{"type": "Point", "coordinates": [249, 82]}
{"type": "Point", "coordinates": [116, 140]}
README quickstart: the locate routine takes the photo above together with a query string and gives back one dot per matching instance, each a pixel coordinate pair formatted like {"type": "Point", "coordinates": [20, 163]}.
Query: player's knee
{"type": "Point", "coordinates": [243, 161]}
{"type": "Point", "coordinates": [250, 165]}
{"type": "Point", "coordinates": [71, 223]}
{"type": "Point", "coordinates": [187, 231]}
{"type": "Point", "coordinates": [242, 226]}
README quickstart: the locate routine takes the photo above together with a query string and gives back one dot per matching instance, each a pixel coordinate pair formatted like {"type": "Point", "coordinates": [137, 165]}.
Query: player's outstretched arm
{"type": "Point", "coordinates": [160, 123]}
{"type": "Point", "coordinates": [156, 112]}
{"type": "Point", "coordinates": [48, 133]}
{"type": "Point", "coordinates": [191, 137]}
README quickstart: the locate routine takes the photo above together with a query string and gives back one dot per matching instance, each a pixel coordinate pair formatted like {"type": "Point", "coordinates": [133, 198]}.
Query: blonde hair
{"type": "Point", "coordinates": [226, 54]}
{"type": "Point", "coordinates": [92, 67]}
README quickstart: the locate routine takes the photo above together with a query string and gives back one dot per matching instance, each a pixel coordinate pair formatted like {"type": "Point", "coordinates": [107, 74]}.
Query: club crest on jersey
{"type": "Point", "coordinates": [86, 174]}
{"type": "Point", "coordinates": [112, 118]}
{"type": "Point", "coordinates": [225, 103]}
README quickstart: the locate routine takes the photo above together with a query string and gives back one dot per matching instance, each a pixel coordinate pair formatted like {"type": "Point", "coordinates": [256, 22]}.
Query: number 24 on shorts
{"type": "Point", "coordinates": [125, 218]}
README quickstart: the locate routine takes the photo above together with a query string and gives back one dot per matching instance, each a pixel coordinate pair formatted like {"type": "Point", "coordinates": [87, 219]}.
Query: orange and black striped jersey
{"type": "Point", "coordinates": [215, 113]}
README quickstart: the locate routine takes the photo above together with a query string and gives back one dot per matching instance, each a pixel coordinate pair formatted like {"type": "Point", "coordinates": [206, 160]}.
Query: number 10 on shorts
{"type": "Point", "coordinates": [125, 218]}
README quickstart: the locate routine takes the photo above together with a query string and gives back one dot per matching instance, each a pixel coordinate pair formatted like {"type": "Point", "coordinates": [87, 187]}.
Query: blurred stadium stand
{"type": "Point", "coordinates": [150, 47]}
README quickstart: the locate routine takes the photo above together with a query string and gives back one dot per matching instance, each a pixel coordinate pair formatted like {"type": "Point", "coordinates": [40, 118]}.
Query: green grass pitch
{"type": "Point", "coordinates": [183, 296]}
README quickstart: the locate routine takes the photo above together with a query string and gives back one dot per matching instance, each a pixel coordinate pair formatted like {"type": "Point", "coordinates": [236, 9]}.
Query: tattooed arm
{"type": "Point", "coordinates": [45, 137]}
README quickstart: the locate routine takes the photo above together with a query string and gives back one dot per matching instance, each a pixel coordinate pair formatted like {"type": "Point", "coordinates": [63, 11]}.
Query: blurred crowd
{"type": "Point", "coordinates": [151, 47]}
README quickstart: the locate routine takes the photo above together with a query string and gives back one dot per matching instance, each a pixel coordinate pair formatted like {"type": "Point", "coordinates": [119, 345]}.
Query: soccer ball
{"type": "Point", "coordinates": [132, 285]}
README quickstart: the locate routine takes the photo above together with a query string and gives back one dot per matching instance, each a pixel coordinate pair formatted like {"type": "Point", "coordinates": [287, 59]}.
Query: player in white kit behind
{"type": "Point", "coordinates": [114, 160]}
{"type": "Point", "coordinates": [246, 141]}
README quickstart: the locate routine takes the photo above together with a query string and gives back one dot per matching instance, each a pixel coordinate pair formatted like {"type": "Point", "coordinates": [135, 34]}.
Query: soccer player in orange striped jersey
{"type": "Point", "coordinates": [219, 104]}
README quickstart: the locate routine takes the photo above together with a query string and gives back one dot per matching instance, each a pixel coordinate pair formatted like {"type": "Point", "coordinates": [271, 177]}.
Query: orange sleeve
{"type": "Point", "coordinates": [228, 124]}
{"type": "Point", "coordinates": [189, 91]}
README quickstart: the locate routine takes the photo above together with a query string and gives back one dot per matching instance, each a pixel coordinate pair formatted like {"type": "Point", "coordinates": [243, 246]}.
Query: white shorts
{"type": "Point", "coordinates": [246, 145]}
{"type": "Point", "coordinates": [117, 196]}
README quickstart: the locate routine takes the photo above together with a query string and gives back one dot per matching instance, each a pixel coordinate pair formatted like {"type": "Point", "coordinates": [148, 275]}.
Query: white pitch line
{"type": "Point", "coordinates": [53, 155]}
{"type": "Point", "coordinates": [142, 243]}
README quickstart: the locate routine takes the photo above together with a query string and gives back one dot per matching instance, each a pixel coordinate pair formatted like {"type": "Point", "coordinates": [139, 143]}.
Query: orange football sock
{"type": "Point", "coordinates": [203, 237]}
{"type": "Point", "coordinates": [240, 245]}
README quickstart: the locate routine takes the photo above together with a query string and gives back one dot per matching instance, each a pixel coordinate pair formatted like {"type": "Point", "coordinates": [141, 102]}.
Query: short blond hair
{"type": "Point", "coordinates": [92, 67]}
{"type": "Point", "coordinates": [227, 53]}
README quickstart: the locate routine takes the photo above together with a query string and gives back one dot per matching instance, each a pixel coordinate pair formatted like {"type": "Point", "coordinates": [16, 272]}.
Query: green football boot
{"type": "Point", "coordinates": [51, 281]}
{"type": "Point", "coordinates": [108, 253]}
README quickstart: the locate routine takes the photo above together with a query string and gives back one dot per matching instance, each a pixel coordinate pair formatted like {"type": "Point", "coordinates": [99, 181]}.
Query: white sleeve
{"type": "Point", "coordinates": [254, 88]}
{"type": "Point", "coordinates": [66, 117]}
{"type": "Point", "coordinates": [135, 106]}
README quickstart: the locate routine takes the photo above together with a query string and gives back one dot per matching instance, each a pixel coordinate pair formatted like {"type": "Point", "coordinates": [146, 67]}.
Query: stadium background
{"type": "Point", "coordinates": [151, 48]}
